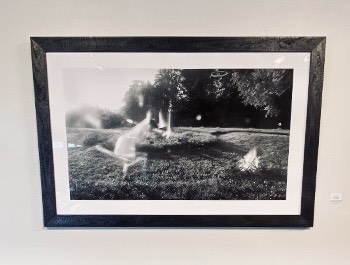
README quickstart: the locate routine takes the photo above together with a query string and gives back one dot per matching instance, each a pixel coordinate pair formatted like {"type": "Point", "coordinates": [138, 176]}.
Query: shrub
{"type": "Point", "coordinates": [94, 138]}
{"type": "Point", "coordinates": [94, 117]}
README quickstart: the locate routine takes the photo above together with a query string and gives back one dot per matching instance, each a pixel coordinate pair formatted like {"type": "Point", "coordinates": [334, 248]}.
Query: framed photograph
{"type": "Point", "coordinates": [178, 131]}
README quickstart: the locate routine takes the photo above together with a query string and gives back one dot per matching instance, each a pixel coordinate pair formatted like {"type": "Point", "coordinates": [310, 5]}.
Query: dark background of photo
{"type": "Point", "coordinates": [249, 98]}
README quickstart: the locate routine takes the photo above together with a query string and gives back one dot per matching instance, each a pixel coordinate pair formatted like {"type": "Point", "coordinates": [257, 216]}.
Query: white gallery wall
{"type": "Point", "coordinates": [23, 240]}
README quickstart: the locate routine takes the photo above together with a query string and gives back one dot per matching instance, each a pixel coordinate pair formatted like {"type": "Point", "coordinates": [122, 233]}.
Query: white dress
{"type": "Point", "coordinates": [125, 148]}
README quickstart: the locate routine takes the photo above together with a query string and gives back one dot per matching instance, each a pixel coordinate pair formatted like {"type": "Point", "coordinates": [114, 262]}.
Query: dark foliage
{"type": "Point", "coordinates": [255, 98]}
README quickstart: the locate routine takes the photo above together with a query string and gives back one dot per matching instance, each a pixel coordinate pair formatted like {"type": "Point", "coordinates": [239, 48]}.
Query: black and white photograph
{"type": "Point", "coordinates": [178, 131]}
{"type": "Point", "coordinates": [177, 134]}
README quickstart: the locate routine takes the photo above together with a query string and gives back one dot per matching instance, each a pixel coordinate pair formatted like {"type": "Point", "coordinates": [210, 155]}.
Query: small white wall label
{"type": "Point", "coordinates": [336, 197]}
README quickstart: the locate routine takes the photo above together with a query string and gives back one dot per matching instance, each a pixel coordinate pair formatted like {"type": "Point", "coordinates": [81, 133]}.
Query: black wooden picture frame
{"type": "Point", "coordinates": [41, 46]}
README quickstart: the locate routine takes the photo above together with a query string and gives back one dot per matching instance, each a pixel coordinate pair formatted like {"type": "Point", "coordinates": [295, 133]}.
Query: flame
{"type": "Point", "coordinates": [250, 162]}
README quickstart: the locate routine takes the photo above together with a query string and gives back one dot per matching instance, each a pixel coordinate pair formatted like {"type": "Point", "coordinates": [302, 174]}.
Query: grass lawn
{"type": "Point", "coordinates": [191, 165]}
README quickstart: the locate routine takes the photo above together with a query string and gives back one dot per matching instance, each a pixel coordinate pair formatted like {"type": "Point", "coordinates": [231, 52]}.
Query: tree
{"type": "Point", "coordinates": [262, 88]}
{"type": "Point", "coordinates": [168, 92]}
{"type": "Point", "coordinates": [137, 100]}
{"type": "Point", "coordinates": [209, 97]}
{"type": "Point", "coordinates": [110, 119]}
{"type": "Point", "coordinates": [197, 108]}
{"type": "Point", "coordinates": [242, 97]}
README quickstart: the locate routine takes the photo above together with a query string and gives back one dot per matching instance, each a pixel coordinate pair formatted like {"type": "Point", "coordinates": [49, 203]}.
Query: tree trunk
{"type": "Point", "coordinates": [162, 121]}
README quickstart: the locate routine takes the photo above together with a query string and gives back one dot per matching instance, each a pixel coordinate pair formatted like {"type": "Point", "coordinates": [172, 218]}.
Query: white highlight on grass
{"type": "Point", "coordinates": [250, 162]}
